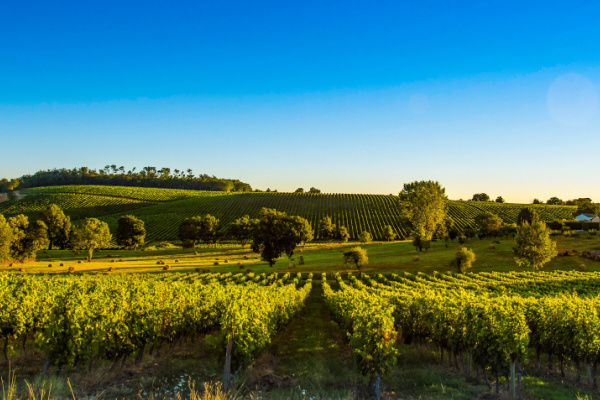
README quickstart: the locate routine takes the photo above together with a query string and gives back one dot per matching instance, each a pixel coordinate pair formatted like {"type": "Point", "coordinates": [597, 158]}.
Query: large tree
{"type": "Point", "coordinates": [341, 234]}
{"type": "Point", "coordinates": [189, 231]}
{"type": "Point", "coordinates": [277, 234]}
{"type": "Point", "coordinates": [481, 197]}
{"type": "Point", "coordinates": [89, 235]}
{"type": "Point", "coordinates": [242, 229]}
{"type": "Point", "coordinates": [131, 232]}
{"type": "Point", "coordinates": [356, 256]}
{"type": "Point", "coordinates": [388, 233]}
{"type": "Point", "coordinates": [6, 239]}
{"type": "Point", "coordinates": [585, 205]}
{"type": "Point", "coordinates": [59, 226]}
{"type": "Point", "coordinates": [424, 205]}
{"type": "Point", "coordinates": [27, 238]}
{"type": "Point", "coordinates": [326, 229]}
{"type": "Point", "coordinates": [555, 201]}
{"type": "Point", "coordinates": [488, 224]}
{"type": "Point", "coordinates": [533, 246]}
{"type": "Point", "coordinates": [209, 230]}
{"type": "Point", "coordinates": [527, 214]}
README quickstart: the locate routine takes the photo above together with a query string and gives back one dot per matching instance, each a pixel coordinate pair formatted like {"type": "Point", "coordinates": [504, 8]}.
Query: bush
{"type": "Point", "coordinates": [356, 256]}
{"type": "Point", "coordinates": [463, 260]}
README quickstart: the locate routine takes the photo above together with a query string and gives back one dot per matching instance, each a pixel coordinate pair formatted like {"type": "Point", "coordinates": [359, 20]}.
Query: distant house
{"type": "Point", "coordinates": [596, 218]}
{"type": "Point", "coordinates": [587, 217]}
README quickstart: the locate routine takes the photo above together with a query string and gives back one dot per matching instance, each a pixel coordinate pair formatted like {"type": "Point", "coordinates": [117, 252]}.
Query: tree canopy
{"type": "Point", "coordinates": [424, 205]}
{"type": "Point", "coordinates": [488, 224]}
{"type": "Point", "coordinates": [243, 228]}
{"type": "Point", "coordinates": [463, 260]}
{"type": "Point", "coordinates": [131, 232]}
{"type": "Point", "coordinates": [480, 197]}
{"type": "Point", "coordinates": [356, 257]}
{"type": "Point", "coordinates": [326, 229]}
{"type": "Point", "coordinates": [6, 238]}
{"type": "Point", "coordinates": [89, 235]}
{"type": "Point", "coordinates": [533, 246]}
{"type": "Point", "coordinates": [27, 238]}
{"type": "Point", "coordinates": [59, 226]}
{"type": "Point", "coordinates": [529, 215]}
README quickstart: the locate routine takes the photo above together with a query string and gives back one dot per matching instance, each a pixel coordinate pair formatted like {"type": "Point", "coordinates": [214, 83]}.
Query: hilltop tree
{"type": "Point", "coordinates": [499, 199]}
{"type": "Point", "coordinates": [341, 234]}
{"type": "Point", "coordinates": [536, 201]}
{"type": "Point", "coordinates": [480, 197]}
{"type": "Point", "coordinates": [424, 205]}
{"type": "Point", "coordinates": [59, 226]}
{"type": "Point", "coordinates": [27, 238]}
{"type": "Point", "coordinates": [388, 233]}
{"type": "Point", "coordinates": [209, 230]}
{"type": "Point", "coordinates": [314, 190]}
{"type": "Point", "coordinates": [89, 235]}
{"type": "Point", "coordinates": [326, 229]}
{"type": "Point", "coordinates": [463, 260]}
{"type": "Point", "coordinates": [356, 256]}
{"type": "Point", "coordinates": [555, 201]}
{"type": "Point", "coordinates": [277, 233]}
{"type": "Point", "coordinates": [533, 245]}
{"type": "Point", "coordinates": [243, 228]}
{"type": "Point", "coordinates": [528, 215]}
{"type": "Point", "coordinates": [6, 239]}
{"type": "Point", "coordinates": [299, 190]}
{"type": "Point", "coordinates": [585, 205]}
{"type": "Point", "coordinates": [489, 224]}
{"type": "Point", "coordinates": [131, 232]}
{"type": "Point", "coordinates": [365, 237]}
{"type": "Point", "coordinates": [189, 231]}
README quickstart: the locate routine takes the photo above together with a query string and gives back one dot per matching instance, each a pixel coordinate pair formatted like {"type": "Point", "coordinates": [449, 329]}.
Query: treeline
{"type": "Point", "coordinates": [117, 176]}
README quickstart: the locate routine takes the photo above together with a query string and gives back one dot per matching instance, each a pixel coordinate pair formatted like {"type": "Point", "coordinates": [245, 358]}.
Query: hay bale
{"type": "Point", "coordinates": [158, 262]}
{"type": "Point", "coordinates": [492, 246]}
{"type": "Point", "coordinates": [48, 256]}
{"type": "Point", "coordinates": [71, 269]}
{"type": "Point", "coordinates": [301, 262]}
{"type": "Point", "coordinates": [120, 259]}
{"type": "Point", "coordinates": [582, 267]}
{"type": "Point", "coordinates": [62, 265]}
{"type": "Point", "coordinates": [415, 258]}
{"type": "Point", "coordinates": [216, 258]}
{"type": "Point", "coordinates": [245, 257]}
{"type": "Point", "coordinates": [76, 253]}
{"type": "Point", "coordinates": [166, 267]}
{"type": "Point", "coordinates": [195, 253]}
{"type": "Point", "coordinates": [49, 265]}
{"type": "Point", "coordinates": [112, 260]}
{"type": "Point", "coordinates": [22, 269]}
{"type": "Point", "coordinates": [78, 261]}
{"type": "Point", "coordinates": [248, 270]}
{"type": "Point", "coordinates": [176, 261]}
{"type": "Point", "coordinates": [291, 265]}
{"type": "Point", "coordinates": [216, 263]}
{"type": "Point", "coordinates": [111, 269]}
{"type": "Point", "coordinates": [199, 269]}
{"type": "Point", "coordinates": [241, 266]}
{"type": "Point", "coordinates": [10, 265]}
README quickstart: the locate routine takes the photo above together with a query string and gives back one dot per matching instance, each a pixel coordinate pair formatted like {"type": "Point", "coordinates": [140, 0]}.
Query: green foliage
{"type": "Point", "coordinates": [341, 234]}
{"type": "Point", "coordinates": [388, 233]}
{"type": "Point", "coordinates": [130, 232]}
{"type": "Point", "coordinates": [326, 229]}
{"type": "Point", "coordinates": [357, 257]}
{"type": "Point", "coordinates": [500, 199]}
{"type": "Point", "coordinates": [533, 246]}
{"type": "Point", "coordinates": [314, 190]}
{"type": "Point", "coordinates": [463, 260]}
{"type": "Point", "coordinates": [529, 215]}
{"type": "Point", "coordinates": [189, 231]}
{"type": "Point", "coordinates": [209, 230]}
{"type": "Point", "coordinates": [489, 224]}
{"type": "Point", "coordinates": [365, 237]}
{"type": "Point", "coordinates": [424, 204]}
{"type": "Point", "coordinates": [243, 228]}
{"type": "Point", "coordinates": [555, 201]}
{"type": "Point", "coordinates": [89, 235]}
{"type": "Point", "coordinates": [6, 239]}
{"type": "Point", "coordinates": [27, 238]}
{"type": "Point", "coordinates": [277, 233]}
{"type": "Point", "coordinates": [480, 197]}
{"type": "Point", "coordinates": [585, 205]}
{"type": "Point", "coordinates": [59, 226]}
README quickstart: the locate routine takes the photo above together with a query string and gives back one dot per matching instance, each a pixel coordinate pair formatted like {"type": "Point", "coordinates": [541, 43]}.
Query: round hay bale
{"type": "Point", "coordinates": [415, 258]}
{"type": "Point", "coordinates": [245, 257]}
{"type": "Point", "coordinates": [216, 263]}
{"type": "Point", "coordinates": [112, 260]}
{"type": "Point", "coordinates": [120, 260]}
{"type": "Point", "coordinates": [71, 269]}
{"type": "Point", "coordinates": [166, 267]}
{"type": "Point", "coordinates": [199, 269]}
{"type": "Point", "coordinates": [62, 265]}
{"type": "Point", "coordinates": [301, 262]}
{"type": "Point", "coordinates": [291, 265]}
{"type": "Point", "coordinates": [176, 261]}
{"type": "Point", "coordinates": [195, 253]}
{"type": "Point", "coordinates": [48, 256]}
{"type": "Point", "coordinates": [158, 262]}
{"type": "Point", "coordinates": [49, 265]}
{"type": "Point", "coordinates": [491, 246]}
{"type": "Point", "coordinates": [241, 266]}
{"type": "Point", "coordinates": [248, 270]}
{"type": "Point", "coordinates": [216, 258]}
{"type": "Point", "coordinates": [582, 267]}
{"type": "Point", "coordinates": [22, 269]}
{"type": "Point", "coordinates": [111, 269]}
{"type": "Point", "coordinates": [76, 253]}
{"type": "Point", "coordinates": [78, 261]}
{"type": "Point", "coordinates": [226, 261]}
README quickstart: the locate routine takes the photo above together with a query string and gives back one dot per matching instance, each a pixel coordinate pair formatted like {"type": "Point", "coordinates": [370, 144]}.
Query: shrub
{"type": "Point", "coordinates": [463, 260]}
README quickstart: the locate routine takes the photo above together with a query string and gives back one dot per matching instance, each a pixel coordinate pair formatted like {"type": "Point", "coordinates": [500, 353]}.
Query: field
{"type": "Point", "coordinates": [163, 209]}
{"type": "Point", "coordinates": [310, 352]}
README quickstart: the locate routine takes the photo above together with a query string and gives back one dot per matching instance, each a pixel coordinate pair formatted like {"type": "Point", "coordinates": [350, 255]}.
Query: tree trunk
{"type": "Point", "coordinates": [91, 364]}
{"type": "Point", "coordinates": [6, 347]}
{"type": "Point", "coordinates": [588, 369]}
{"type": "Point", "coordinates": [46, 366]}
{"type": "Point", "coordinates": [512, 379]}
{"type": "Point", "coordinates": [519, 375]}
{"type": "Point", "coordinates": [227, 367]}
{"type": "Point", "coordinates": [562, 366]}
{"type": "Point", "coordinates": [497, 382]}
{"type": "Point", "coordinates": [442, 354]}
{"type": "Point", "coordinates": [469, 363]}
{"type": "Point", "coordinates": [487, 381]}
{"type": "Point", "coordinates": [90, 252]}
{"type": "Point", "coordinates": [550, 362]}
{"type": "Point", "coordinates": [374, 388]}
{"type": "Point", "coordinates": [140, 353]}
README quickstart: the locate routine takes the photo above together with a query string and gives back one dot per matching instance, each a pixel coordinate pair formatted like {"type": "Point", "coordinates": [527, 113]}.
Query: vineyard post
{"type": "Point", "coordinates": [227, 368]}
{"type": "Point", "coordinates": [512, 379]}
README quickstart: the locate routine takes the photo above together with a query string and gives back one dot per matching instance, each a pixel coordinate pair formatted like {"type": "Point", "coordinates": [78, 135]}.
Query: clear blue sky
{"type": "Point", "coordinates": [495, 97]}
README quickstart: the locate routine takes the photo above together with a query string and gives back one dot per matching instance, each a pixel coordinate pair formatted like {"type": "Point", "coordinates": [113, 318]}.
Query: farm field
{"type": "Point", "coordinates": [162, 210]}
{"type": "Point", "coordinates": [310, 352]}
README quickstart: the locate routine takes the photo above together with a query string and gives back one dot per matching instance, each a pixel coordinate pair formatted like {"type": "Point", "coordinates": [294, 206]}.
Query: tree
{"type": "Point", "coordinates": [533, 245]}
{"type": "Point", "coordinates": [6, 239]}
{"type": "Point", "coordinates": [189, 231]}
{"type": "Point", "coordinates": [299, 190]}
{"type": "Point", "coordinates": [27, 238]}
{"type": "Point", "coordinates": [424, 205]}
{"type": "Point", "coordinates": [326, 229]}
{"type": "Point", "coordinates": [341, 234]}
{"type": "Point", "coordinates": [356, 256]}
{"type": "Point", "coordinates": [585, 205]}
{"type": "Point", "coordinates": [314, 190]}
{"type": "Point", "coordinates": [365, 237]}
{"type": "Point", "coordinates": [554, 201]}
{"type": "Point", "coordinates": [131, 232]}
{"type": "Point", "coordinates": [242, 229]}
{"type": "Point", "coordinates": [59, 226]}
{"type": "Point", "coordinates": [209, 230]}
{"type": "Point", "coordinates": [537, 201]}
{"type": "Point", "coordinates": [527, 214]}
{"type": "Point", "coordinates": [489, 224]}
{"type": "Point", "coordinates": [89, 235]}
{"type": "Point", "coordinates": [499, 199]}
{"type": "Point", "coordinates": [277, 233]}
{"type": "Point", "coordinates": [388, 233]}
{"type": "Point", "coordinates": [480, 197]}
{"type": "Point", "coordinates": [463, 260]}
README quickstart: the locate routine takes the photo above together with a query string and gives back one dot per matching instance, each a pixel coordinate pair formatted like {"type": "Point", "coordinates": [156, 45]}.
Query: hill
{"type": "Point", "coordinates": [164, 209]}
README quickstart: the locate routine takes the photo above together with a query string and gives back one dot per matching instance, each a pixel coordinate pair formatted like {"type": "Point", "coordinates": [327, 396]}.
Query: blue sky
{"type": "Point", "coordinates": [495, 97]}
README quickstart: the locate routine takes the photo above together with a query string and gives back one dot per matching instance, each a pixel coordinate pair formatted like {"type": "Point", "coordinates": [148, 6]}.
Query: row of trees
{"type": "Point", "coordinates": [20, 239]}
{"type": "Point", "coordinates": [118, 176]}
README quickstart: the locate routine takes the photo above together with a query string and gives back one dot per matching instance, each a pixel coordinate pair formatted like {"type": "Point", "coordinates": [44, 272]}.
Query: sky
{"type": "Point", "coordinates": [354, 97]}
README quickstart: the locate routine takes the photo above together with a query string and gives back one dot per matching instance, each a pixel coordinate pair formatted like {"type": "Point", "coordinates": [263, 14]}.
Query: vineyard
{"type": "Point", "coordinates": [492, 322]}
{"type": "Point", "coordinates": [163, 209]}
